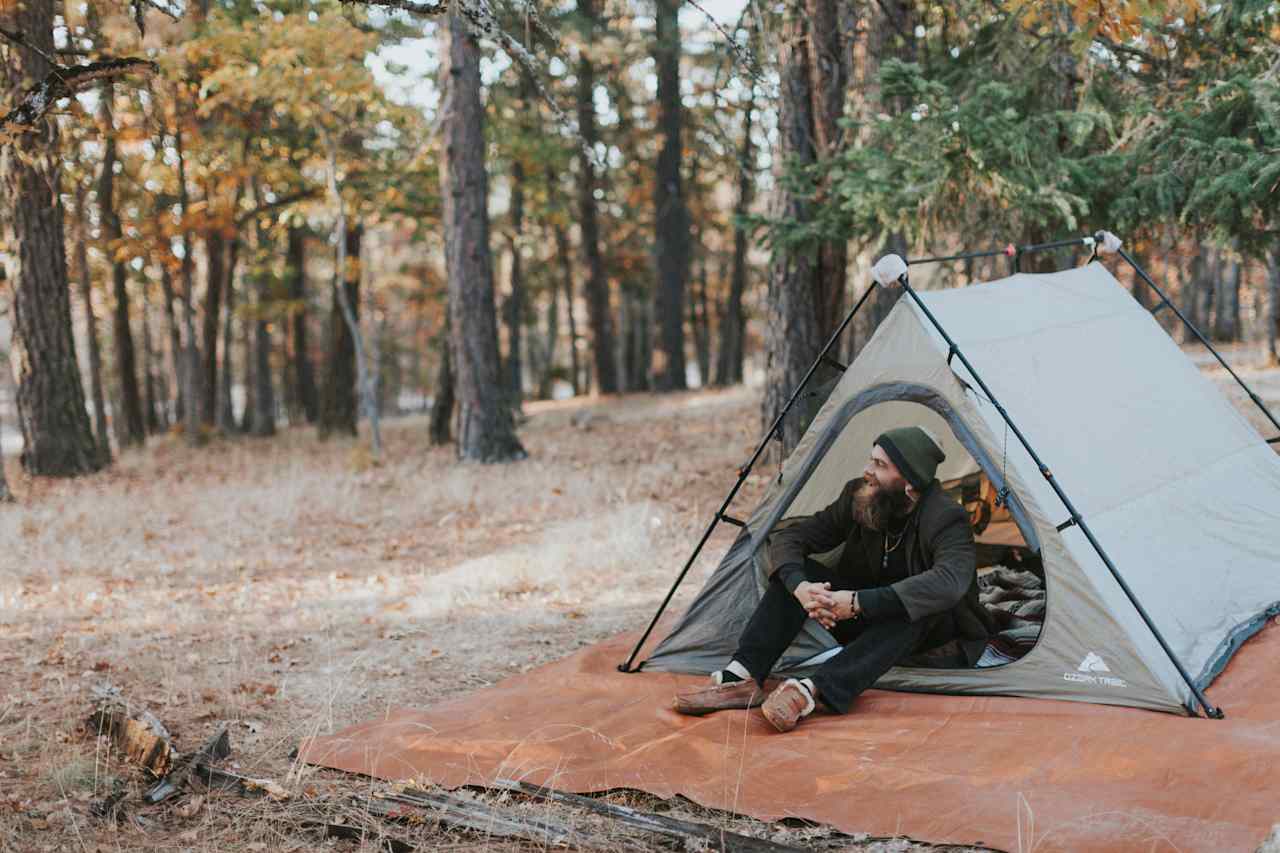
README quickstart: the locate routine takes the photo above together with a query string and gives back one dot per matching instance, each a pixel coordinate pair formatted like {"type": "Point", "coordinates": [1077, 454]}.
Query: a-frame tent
{"type": "Point", "coordinates": [1175, 488]}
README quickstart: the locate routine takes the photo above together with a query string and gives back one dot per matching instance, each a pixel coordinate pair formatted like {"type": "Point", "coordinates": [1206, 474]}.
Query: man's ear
{"type": "Point", "coordinates": [912, 493]}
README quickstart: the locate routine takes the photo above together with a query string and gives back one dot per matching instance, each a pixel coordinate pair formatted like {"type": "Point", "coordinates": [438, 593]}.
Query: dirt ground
{"type": "Point", "coordinates": [292, 587]}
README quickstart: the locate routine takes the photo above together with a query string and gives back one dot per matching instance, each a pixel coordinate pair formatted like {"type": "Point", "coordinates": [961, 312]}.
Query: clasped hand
{"type": "Point", "coordinates": [823, 605]}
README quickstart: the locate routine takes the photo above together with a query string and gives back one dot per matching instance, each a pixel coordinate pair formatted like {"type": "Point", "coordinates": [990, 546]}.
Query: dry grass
{"type": "Point", "coordinates": [290, 586]}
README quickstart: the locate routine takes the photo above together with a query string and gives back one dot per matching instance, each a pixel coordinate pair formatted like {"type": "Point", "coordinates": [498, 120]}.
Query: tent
{"type": "Point", "coordinates": [1153, 504]}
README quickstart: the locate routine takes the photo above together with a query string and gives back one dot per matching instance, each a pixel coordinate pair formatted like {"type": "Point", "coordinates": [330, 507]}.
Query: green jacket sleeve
{"type": "Point", "coordinates": [811, 534]}
{"type": "Point", "coordinates": [947, 542]}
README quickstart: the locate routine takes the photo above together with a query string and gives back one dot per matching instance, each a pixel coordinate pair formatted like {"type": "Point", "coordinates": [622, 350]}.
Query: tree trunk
{"type": "Point", "coordinates": [261, 415]}
{"type": "Point", "coordinates": [515, 302]}
{"type": "Point", "coordinates": [91, 329]}
{"type": "Point", "coordinates": [57, 439]}
{"type": "Point", "coordinates": [390, 370]}
{"type": "Point", "coordinates": [700, 322]}
{"type": "Point", "coordinates": [597, 285]}
{"type": "Point", "coordinates": [416, 360]}
{"type": "Point", "coordinates": [151, 398]}
{"type": "Point", "coordinates": [829, 70]}
{"type": "Point", "coordinates": [248, 364]}
{"type": "Point", "coordinates": [1206, 290]}
{"type": "Point", "coordinates": [129, 424]}
{"type": "Point", "coordinates": [215, 274]}
{"type": "Point", "coordinates": [671, 240]}
{"type": "Point", "coordinates": [486, 431]}
{"type": "Point", "coordinates": [226, 411]}
{"type": "Point", "coordinates": [6, 496]}
{"type": "Point", "coordinates": [1226, 308]}
{"type": "Point", "coordinates": [339, 411]}
{"type": "Point", "coordinates": [635, 322]}
{"type": "Point", "coordinates": [1192, 285]}
{"type": "Point", "coordinates": [566, 271]}
{"type": "Point", "coordinates": [175, 340]}
{"type": "Point", "coordinates": [192, 374]}
{"type": "Point", "coordinates": [890, 36]}
{"type": "Point", "coordinates": [443, 401]}
{"type": "Point", "coordinates": [733, 327]}
{"type": "Point", "coordinates": [792, 338]}
{"type": "Point", "coordinates": [546, 378]}
{"type": "Point", "coordinates": [1273, 307]}
{"type": "Point", "coordinates": [300, 357]}
{"type": "Point", "coordinates": [263, 421]}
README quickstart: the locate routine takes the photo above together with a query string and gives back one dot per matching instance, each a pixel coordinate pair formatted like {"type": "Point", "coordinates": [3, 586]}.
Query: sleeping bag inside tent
{"type": "Point", "coordinates": [1174, 483]}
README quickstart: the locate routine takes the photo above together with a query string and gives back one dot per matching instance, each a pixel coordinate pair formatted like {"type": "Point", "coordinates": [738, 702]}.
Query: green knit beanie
{"type": "Point", "coordinates": [914, 452]}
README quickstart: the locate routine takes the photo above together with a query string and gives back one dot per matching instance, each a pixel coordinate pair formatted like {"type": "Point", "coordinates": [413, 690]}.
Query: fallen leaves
{"type": "Point", "coordinates": [256, 687]}
{"type": "Point", "coordinates": [191, 806]}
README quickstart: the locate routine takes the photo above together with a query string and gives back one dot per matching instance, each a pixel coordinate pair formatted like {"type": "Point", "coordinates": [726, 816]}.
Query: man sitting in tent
{"type": "Point", "coordinates": [906, 581]}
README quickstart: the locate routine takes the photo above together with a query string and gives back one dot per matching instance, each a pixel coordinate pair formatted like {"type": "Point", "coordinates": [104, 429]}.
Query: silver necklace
{"type": "Point", "coordinates": [888, 549]}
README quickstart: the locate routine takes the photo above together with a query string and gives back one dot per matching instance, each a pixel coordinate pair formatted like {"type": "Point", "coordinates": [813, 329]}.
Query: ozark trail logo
{"type": "Point", "coordinates": [1093, 663]}
{"type": "Point", "coordinates": [1090, 671]}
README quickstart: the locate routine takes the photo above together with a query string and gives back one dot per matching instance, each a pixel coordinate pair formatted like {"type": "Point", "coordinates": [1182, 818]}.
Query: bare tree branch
{"type": "Point", "coordinates": [742, 53]}
{"type": "Point", "coordinates": [484, 24]}
{"type": "Point", "coordinates": [64, 81]}
{"type": "Point", "coordinates": [282, 201]}
{"type": "Point", "coordinates": [424, 9]}
{"type": "Point", "coordinates": [21, 41]}
{"type": "Point", "coordinates": [159, 7]}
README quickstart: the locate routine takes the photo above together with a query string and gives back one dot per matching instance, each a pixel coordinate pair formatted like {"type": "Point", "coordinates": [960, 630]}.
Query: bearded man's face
{"type": "Point", "coordinates": [881, 474]}
{"type": "Point", "coordinates": [882, 502]}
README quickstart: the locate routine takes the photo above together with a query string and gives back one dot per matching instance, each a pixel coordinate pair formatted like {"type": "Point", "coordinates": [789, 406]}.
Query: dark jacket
{"type": "Point", "coordinates": [941, 582]}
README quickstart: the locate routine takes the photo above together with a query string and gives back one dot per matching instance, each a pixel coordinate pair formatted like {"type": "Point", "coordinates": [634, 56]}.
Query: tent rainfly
{"type": "Point", "coordinates": [1152, 502]}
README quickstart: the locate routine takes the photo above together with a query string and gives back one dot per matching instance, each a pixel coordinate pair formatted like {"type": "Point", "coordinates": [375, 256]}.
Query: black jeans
{"type": "Point", "coordinates": [871, 646]}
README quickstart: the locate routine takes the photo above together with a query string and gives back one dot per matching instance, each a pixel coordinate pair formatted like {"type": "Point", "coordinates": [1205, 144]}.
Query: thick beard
{"type": "Point", "coordinates": [880, 509]}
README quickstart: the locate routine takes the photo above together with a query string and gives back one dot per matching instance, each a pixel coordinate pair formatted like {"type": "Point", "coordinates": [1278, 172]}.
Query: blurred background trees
{"type": "Point", "coordinates": [314, 214]}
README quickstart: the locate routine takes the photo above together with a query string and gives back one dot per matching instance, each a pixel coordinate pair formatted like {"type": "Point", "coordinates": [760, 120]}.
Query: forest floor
{"type": "Point", "coordinates": [291, 587]}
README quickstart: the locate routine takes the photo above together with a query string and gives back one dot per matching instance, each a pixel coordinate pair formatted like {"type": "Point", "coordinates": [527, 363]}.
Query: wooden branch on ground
{"type": "Point", "coordinates": [477, 817]}
{"type": "Point", "coordinates": [357, 833]}
{"type": "Point", "coordinates": [64, 81]}
{"type": "Point", "coordinates": [216, 779]}
{"type": "Point", "coordinates": [711, 837]}
{"type": "Point", "coordinates": [218, 746]}
{"type": "Point", "coordinates": [417, 807]}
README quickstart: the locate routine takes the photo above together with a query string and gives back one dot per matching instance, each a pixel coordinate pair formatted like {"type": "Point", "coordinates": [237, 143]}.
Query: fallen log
{"type": "Point", "coordinates": [686, 831]}
{"type": "Point", "coordinates": [477, 817]}
{"type": "Point", "coordinates": [217, 779]}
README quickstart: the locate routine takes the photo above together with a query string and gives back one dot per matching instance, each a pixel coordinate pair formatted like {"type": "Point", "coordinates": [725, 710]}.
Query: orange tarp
{"type": "Point", "coordinates": [1017, 774]}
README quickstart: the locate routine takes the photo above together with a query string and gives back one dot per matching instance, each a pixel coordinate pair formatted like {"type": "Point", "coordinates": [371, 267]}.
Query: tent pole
{"type": "Point", "coordinates": [1010, 251]}
{"type": "Point", "coordinates": [1076, 519]}
{"type": "Point", "coordinates": [743, 473]}
{"type": "Point", "coordinates": [1165, 301]}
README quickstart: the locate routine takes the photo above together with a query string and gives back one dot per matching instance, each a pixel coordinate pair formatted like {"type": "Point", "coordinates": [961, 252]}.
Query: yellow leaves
{"type": "Point", "coordinates": [132, 133]}
{"type": "Point", "coordinates": [1119, 22]}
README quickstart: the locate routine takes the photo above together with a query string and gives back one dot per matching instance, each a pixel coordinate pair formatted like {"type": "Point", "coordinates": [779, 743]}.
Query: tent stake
{"type": "Point", "coordinates": [743, 473]}
{"type": "Point", "coordinates": [1209, 710]}
{"type": "Point", "coordinates": [1165, 301]}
